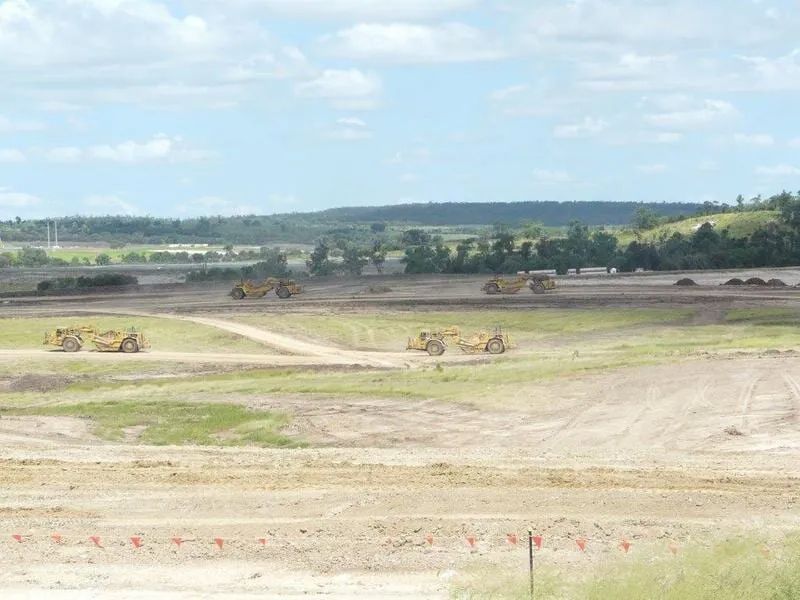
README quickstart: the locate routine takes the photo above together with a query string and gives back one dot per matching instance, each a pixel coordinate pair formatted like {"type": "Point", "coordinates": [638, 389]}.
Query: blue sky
{"type": "Point", "coordinates": [189, 107]}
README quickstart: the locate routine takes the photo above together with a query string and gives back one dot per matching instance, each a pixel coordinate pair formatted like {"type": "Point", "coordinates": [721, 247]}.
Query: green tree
{"type": "Point", "coordinates": [319, 262]}
{"type": "Point", "coordinates": [416, 237]}
{"type": "Point", "coordinates": [102, 259]}
{"type": "Point", "coordinates": [354, 259]}
{"type": "Point", "coordinates": [377, 256]}
{"type": "Point", "coordinates": [644, 218]}
{"type": "Point", "coordinates": [32, 257]}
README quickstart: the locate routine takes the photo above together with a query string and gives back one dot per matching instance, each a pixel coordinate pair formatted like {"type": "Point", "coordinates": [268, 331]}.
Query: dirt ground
{"type": "Point", "coordinates": [673, 453]}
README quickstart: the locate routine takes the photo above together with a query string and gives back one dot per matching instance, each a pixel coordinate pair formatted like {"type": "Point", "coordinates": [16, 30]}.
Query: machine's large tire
{"type": "Point", "coordinates": [71, 344]}
{"type": "Point", "coordinates": [237, 293]}
{"type": "Point", "coordinates": [435, 348]}
{"type": "Point", "coordinates": [495, 346]}
{"type": "Point", "coordinates": [283, 292]}
{"type": "Point", "coordinates": [129, 346]}
{"type": "Point", "coordinates": [537, 287]}
{"type": "Point", "coordinates": [492, 288]}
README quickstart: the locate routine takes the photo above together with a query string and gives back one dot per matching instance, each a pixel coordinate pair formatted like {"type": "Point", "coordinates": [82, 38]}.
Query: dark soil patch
{"type": "Point", "coordinates": [734, 281]}
{"type": "Point", "coordinates": [38, 383]}
{"type": "Point", "coordinates": [685, 281]}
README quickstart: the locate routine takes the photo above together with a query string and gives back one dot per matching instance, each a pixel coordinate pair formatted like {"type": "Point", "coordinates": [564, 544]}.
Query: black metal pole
{"type": "Point", "coordinates": [530, 557]}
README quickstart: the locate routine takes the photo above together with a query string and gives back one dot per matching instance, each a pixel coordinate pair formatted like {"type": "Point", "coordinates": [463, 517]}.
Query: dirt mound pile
{"type": "Point", "coordinates": [755, 281]}
{"type": "Point", "coordinates": [776, 283]}
{"type": "Point", "coordinates": [685, 281]}
{"type": "Point", "coordinates": [734, 281]}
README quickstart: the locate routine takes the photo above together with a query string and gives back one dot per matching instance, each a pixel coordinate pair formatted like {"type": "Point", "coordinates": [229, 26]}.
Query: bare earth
{"type": "Point", "coordinates": [653, 454]}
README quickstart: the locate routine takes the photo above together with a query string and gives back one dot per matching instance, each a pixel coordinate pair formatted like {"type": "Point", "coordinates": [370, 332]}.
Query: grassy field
{"type": "Point", "coordinates": [551, 344]}
{"type": "Point", "coordinates": [738, 568]}
{"type": "Point", "coordinates": [388, 331]}
{"type": "Point", "coordinates": [174, 423]}
{"type": "Point", "coordinates": [164, 334]}
{"type": "Point", "coordinates": [740, 225]}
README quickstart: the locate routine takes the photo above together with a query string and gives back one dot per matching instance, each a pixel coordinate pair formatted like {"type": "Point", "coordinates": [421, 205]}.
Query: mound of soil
{"type": "Point", "coordinates": [755, 281]}
{"type": "Point", "coordinates": [776, 283]}
{"type": "Point", "coordinates": [686, 281]}
{"type": "Point", "coordinates": [734, 281]}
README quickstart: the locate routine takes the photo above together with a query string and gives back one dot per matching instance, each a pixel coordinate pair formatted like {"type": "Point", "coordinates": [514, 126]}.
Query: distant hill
{"type": "Point", "coordinates": [353, 223]}
{"type": "Point", "coordinates": [488, 213]}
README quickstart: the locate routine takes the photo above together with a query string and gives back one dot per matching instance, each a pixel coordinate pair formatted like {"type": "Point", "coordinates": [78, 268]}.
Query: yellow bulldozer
{"type": "Point", "coordinates": [538, 284]}
{"type": "Point", "coordinates": [284, 288]}
{"type": "Point", "coordinates": [436, 342]}
{"type": "Point", "coordinates": [72, 339]}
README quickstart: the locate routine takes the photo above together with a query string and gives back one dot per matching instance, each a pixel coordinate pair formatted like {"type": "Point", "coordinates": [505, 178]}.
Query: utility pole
{"type": "Point", "coordinates": [48, 235]}
{"type": "Point", "coordinates": [55, 224]}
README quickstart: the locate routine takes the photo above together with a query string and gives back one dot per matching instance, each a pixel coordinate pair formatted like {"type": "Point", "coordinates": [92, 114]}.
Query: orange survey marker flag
{"type": "Point", "coordinates": [581, 544]}
{"type": "Point", "coordinates": [56, 537]}
{"type": "Point", "coordinates": [511, 538]}
{"type": "Point", "coordinates": [136, 541]}
{"type": "Point", "coordinates": [625, 545]}
{"type": "Point", "coordinates": [17, 537]}
{"type": "Point", "coordinates": [429, 539]}
{"type": "Point", "coordinates": [262, 541]}
{"type": "Point", "coordinates": [177, 541]}
{"type": "Point", "coordinates": [537, 540]}
{"type": "Point", "coordinates": [219, 542]}
{"type": "Point", "coordinates": [96, 540]}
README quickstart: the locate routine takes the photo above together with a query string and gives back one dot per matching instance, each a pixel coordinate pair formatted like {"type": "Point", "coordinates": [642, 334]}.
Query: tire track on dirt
{"type": "Point", "coordinates": [746, 401]}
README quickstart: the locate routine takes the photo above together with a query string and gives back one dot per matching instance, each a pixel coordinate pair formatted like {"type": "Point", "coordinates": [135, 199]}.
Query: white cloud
{"type": "Point", "coordinates": [709, 113]}
{"type": "Point", "coordinates": [346, 89]}
{"type": "Point", "coordinates": [588, 127]}
{"type": "Point", "coordinates": [159, 148]}
{"type": "Point", "coordinates": [9, 126]}
{"type": "Point", "coordinates": [509, 92]}
{"type": "Point", "coordinates": [11, 155]}
{"type": "Point", "coordinates": [65, 54]}
{"type": "Point", "coordinates": [794, 143]}
{"type": "Point", "coordinates": [64, 154]}
{"type": "Point", "coordinates": [667, 137]}
{"type": "Point", "coordinates": [110, 205]}
{"type": "Point", "coordinates": [781, 170]}
{"type": "Point", "coordinates": [597, 25]}
{"type": "Point", "coordinates": [408, 43]}
{"type": "Point", "coordinates": [12, 199]}
{"type": "Point", "coordinates": [755, 139]}
{"type": "Point", "coordinates": [652, 169]}
{"type": "Point", "coordinates": [349, 129]}
{"type": "Point", "coordinates": [773, 74]}
{"type": "Point", "coordinates": [549, 177]}
{"type": "Point", "coordinates": [351, 122]}
{"type": "Point", "coordinates": [358, 9]}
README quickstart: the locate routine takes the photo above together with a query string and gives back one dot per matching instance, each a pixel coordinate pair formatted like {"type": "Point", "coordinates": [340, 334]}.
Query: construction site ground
{"type": "Point", "coordinates": [630, 409]}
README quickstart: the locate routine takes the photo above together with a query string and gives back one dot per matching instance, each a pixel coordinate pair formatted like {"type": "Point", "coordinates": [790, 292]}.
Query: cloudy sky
{"type": "Point", "coordinates": [187, 107]}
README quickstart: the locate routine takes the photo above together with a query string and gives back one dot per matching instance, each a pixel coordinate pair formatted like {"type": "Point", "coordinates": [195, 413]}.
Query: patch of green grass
{"type": "Point", "coordinates": [164, 334]}
{"type": "Point", "coordinates": [740, 225]}
{"type": "Point", "coordinates": [764, 316]}
{"type": "Point", "coordinates": [175, 423]}
{"type": "Point", "coordinates": [389, 330]}
{"type": "Point", "coordinates": [733, 569]}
